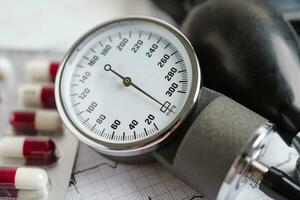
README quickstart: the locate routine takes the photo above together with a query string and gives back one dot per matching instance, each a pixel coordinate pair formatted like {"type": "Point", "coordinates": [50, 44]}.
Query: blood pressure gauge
{"type": "Point", "coordinates": [127, 84]}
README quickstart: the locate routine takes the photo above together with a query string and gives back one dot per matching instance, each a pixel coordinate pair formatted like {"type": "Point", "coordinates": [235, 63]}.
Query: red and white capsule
{"type": "Point", "coordinates": [35, 95]}
{"type": "Point", "coordinates": [32, 149]}
{"type": "Point", "coordinates": [23, 178]}
{"type": "Point", "coordinates": [37, 121]}
{"type": "Point", "coordinates": [42, 70]}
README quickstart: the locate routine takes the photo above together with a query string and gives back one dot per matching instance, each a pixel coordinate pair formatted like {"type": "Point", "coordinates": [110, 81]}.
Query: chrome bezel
{"type": "Point", "coordinates": [187, 109]}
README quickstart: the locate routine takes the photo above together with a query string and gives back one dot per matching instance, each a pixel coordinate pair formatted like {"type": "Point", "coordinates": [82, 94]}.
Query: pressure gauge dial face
{"type": "Point", "coordinates": [127, 83]}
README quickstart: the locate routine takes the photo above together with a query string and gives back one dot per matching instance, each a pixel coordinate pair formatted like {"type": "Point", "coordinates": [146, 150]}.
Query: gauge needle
{"type": "Point", "coordinates": [127, 82]}
{"type": "Point", "coordinates": [148, 95]}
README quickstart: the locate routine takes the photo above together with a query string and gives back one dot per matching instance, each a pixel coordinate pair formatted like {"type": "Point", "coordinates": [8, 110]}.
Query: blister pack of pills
{"type": "Point", "coordinates": [37, 152]}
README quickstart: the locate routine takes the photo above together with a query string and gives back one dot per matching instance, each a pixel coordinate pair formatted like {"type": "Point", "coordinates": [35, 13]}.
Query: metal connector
{"type": "Point", "coordinates": [255, 172]}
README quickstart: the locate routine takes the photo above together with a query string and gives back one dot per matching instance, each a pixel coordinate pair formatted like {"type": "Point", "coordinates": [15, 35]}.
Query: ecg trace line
{"type": "Point", "coordinates": [73, 179]}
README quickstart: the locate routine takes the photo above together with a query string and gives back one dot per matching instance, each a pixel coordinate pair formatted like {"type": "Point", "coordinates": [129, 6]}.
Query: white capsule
{"type": "Point", "coordinates": [23, 178]}
{"type": "Point", "coordinates": [5, 68]}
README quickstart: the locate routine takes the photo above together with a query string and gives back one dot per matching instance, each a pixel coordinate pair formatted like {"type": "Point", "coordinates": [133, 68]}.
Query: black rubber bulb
{"type": "Point", "coordinates": [248, 52]}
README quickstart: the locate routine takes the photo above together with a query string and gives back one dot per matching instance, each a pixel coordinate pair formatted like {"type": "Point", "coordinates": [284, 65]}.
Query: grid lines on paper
{"type": "Point", "coordinates": [122, 181]}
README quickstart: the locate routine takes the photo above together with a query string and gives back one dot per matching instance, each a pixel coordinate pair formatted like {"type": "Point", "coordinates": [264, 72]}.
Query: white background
{"type": "Point", "coordinates": [56, 24]}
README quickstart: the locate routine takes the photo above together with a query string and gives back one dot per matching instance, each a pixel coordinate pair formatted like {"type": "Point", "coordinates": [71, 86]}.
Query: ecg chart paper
{"type": "Point", "coordinates": [96, 177]}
